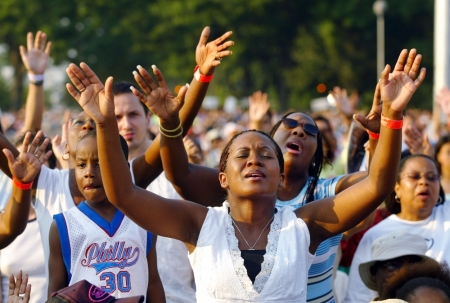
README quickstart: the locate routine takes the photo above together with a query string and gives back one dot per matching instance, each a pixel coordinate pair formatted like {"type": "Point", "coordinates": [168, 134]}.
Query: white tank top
{"type": "Point", "coordinates": [219, 271]}
{"type": "Point", "coordinates": [112, 256]}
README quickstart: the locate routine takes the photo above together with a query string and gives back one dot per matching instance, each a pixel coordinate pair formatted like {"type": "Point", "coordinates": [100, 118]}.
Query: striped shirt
{"type": "Point", "coordinates": [320, 275]}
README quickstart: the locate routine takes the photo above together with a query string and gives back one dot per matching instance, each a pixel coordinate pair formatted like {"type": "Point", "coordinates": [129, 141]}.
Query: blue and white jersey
{"type": "Point", "coordinates": [112, 256]}
{"type": "Point", "coordinates": [320, 275]}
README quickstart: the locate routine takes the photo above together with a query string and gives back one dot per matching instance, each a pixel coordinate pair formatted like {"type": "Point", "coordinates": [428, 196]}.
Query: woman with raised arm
{"type": "Point", "coordinates": [223, 241]}
{"type": "Point", "coordinates": [57, 191]}
{"type": "Point", "coordinates": [301, 144]}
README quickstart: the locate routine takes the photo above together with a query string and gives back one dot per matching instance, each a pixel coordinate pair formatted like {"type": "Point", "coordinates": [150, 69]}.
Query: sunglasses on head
{"type": "Point", "coordinates": [310, 129]}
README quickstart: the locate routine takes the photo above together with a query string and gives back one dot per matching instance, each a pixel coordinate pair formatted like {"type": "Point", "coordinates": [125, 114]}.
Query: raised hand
{"type": "Point", "coordinates": [28, 164]}
{"type": "Point", "coordinates": [372, 120]}
{"type": "Point", "coordinates": [194, 153]}
{"type": "Point", "coordinates": [96, 99]}
{"type": "Point", "coordinates": [417, 142]}
{"type": "Point", "coordinates": [258, 106]}
{"type": "Point", "coordinates": [35, 56]}
{"type": "Point", "coordinates": [443, 98]}
{"type": "Point", "coordinates": [398, 88]}
{"type": "Point", "coordinates": [19, 290]}
{"type": "Point", "coordinates": [158, 98]}
{"type": "Point", "coordinates": [209, 54]}
{"type": "Point", "coordinates": [343, 102]}
{"type": "Point", "coordinates": [59, 144]}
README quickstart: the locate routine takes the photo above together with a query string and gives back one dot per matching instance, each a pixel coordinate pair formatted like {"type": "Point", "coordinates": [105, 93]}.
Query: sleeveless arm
{"type": "Point", "coordinates": [58, 276]}
{"type": "Point", "coordinates": [155, 290]}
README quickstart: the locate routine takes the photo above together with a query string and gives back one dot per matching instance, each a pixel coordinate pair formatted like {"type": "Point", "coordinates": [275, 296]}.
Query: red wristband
{"type": "Point", "coordinates": [392, 124]}
{"type": "Point", "coordinates": [201, 78]}
{"type": "Point", "coordinates": [373, 135]}
{"type": "Point", "coordinates": [23, 186]}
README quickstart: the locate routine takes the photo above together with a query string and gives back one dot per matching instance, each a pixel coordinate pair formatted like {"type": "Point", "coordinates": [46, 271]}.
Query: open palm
{"type": "Point", "coordinates": [398, 88]}
{"type": "Point", "coordinates": [158, 97]}
{"type": "Point", "coordinates": [27, 165]}
{"type": "Point", "coordinates": [96, 99]}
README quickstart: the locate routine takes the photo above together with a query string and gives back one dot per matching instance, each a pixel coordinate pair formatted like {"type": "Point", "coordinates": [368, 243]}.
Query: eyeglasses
{"type": "Point", "coordinates": [431, 177]}
{"type": "Point", "coordinates": [310, 129]}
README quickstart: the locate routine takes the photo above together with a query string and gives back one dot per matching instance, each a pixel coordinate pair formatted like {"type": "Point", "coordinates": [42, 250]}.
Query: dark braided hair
{"type": "Point", "coordinates": [315, 166]}
{"type": "Point", "coordinates": [391, 203]}
{"type": "Point", "coordinates": [225, 152]}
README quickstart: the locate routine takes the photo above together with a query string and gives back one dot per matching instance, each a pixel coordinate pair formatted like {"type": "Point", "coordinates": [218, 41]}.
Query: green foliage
{"type": "Point", "coordinates": [285, 47]}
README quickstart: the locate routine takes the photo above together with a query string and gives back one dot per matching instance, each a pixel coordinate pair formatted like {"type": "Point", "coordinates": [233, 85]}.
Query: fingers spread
{"type": "Point", "coordinates": [401, 60]}
{"type": "Point", "coordinates": [92, 77]}
{"type": "Point", "coordinates": [222, 38]}
{"type": "Point", "coordinates": [159, 77]}
{"type": "Point", "coordinates": [204, 36]}
{"type": "Point", "coordinates": [421, 77]}
{"type": "Point", "coordinates": [29, 40]}
{"type": "Point", "coordinates": [48, 48]}
{"type": "Point", "coordinates": [410, 60]}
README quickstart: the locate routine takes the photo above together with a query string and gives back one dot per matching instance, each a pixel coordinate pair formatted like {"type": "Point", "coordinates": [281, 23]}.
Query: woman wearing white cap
{"type": "Point", "coordinates": [390, 253]}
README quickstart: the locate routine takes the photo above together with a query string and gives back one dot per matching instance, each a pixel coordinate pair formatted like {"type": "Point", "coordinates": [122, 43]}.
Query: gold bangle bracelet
{"type": "Point", "coordinates": [170, 130]}
{"type": "Point", "coordinates": [170, 136]}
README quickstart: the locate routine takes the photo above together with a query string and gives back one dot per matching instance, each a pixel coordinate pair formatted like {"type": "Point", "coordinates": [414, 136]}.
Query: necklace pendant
{"type": "Point", "coordinates": [251, 249]}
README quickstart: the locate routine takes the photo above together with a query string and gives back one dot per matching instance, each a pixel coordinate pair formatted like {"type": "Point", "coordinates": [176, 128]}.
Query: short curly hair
{"type": "Point", "coordinates": [408, 279]}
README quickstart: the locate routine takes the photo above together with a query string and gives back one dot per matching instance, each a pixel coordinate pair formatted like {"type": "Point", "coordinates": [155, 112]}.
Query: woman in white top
{"type": "Point", "coordinates": [251, 171]}
{"type": "Point", "coordinates": [415, 206]}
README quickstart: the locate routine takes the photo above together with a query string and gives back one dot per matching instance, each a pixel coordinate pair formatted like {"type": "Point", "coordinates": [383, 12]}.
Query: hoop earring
{"type": "Point", "coordinates": [65, 156]}
{"type": "Point", "coordinates": [439, 201]}
{"type": "Point", "coordinates": [397, 199]}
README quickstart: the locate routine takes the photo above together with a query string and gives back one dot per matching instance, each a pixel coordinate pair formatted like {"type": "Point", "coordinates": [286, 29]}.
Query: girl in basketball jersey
{"type": "Point", "coordinates": [97, 243]}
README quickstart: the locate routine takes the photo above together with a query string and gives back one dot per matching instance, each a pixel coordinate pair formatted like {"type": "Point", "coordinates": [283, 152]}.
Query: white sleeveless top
{"type": "Point", "coordinates": [110, 255]}
{"type": "Point", "coordinates": [219, 271]}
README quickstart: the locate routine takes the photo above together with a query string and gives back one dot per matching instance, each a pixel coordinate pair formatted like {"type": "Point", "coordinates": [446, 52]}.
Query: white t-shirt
{"type": "Point", "coordinates": [435, 230]}
{"type": "Point", "coordinates": [25, 253]}
{"type": "Point", "coordinates": [219, 270]}
{"type": "Point", "coordinates": [52, 197]}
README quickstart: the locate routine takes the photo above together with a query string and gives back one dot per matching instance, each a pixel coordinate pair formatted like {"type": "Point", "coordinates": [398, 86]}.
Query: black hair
{"type": "Point", "coordinates": [123, 87]}
{"type": "Point", "coordinates": [225, 152]}
{"type": "Point", "coordinates": [329, 156]}
{"type": "Point", "coordinates": [123, 142]}
{"type": "Point", "coordinates": [316, 164]}
{"type": "Point", "coordinates": [52, 161]}
{"type": "Point", "coordinates": [441, 142]}
{"type": "Point", "coordinates": [408, 279]}
{"type": "Point", "coordinates": [391, 203]}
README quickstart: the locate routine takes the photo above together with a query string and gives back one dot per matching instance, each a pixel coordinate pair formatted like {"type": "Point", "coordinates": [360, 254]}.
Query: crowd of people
{"type": "Point", "coordinates": [146, 195]}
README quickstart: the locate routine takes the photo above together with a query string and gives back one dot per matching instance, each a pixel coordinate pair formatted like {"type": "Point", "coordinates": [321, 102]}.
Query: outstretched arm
{"type": "Point", "coordinates": [35, 58]}
{"type": "Point", "coordinates": [149, 166]}
{"type": "Point", "coordinates": [355, 203]}
{"type": "Point", "coordinates": [176, 219]}
{"type": "Point", "coordinates": [24, 169]}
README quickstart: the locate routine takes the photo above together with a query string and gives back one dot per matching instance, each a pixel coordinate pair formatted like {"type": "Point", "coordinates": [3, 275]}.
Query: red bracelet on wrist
{"type": "Point", "coordinates": [392, 124]}
{"type": "Point", "coordinates": [201, 78]}
{"type": "Point", "coordinates": [23, 186]}
{"type": "Point", "coordinates": [373, 135]}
